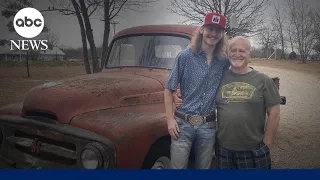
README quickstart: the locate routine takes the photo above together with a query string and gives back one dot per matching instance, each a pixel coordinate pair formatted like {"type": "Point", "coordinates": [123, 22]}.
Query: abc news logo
{"type": "Point", "coordinates": [29, 23]}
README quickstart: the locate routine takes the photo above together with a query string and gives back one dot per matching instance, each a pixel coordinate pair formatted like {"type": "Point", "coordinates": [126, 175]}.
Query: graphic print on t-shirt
{"type": "Point", "coordinates": [237, 92]}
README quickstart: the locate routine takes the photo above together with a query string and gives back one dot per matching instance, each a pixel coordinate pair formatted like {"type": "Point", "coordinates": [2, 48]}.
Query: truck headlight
{"type": "Point", "coordinates": [94, 156]}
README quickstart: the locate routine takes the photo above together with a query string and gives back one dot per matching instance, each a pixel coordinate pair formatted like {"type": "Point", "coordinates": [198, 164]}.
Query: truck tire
{"type": "Point", "coordinates": [1, 137]}
{"type": "Point", "coordinates": [158, 156]}
{"type": "Point", "coordinates": [162, 163]}
{"type": "Point", "coordinates": [158, 153]}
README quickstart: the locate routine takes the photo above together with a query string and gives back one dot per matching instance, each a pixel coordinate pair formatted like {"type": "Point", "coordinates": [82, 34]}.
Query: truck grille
{"type": "Point", "coordinates": [44, 148]}
{"type": "Point", "coordinates": [33, 143]}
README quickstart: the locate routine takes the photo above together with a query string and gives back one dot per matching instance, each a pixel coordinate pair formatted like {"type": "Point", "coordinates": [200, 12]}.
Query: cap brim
{"type": "Point", "coordinates": [214, 25]}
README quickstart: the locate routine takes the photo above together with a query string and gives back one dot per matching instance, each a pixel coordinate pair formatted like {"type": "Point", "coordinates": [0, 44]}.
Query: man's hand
{"type": "Point", "coordinates": [177, 98]}
{"type": "Point", "coordinates": [267, 143]}
{"type": "Point", "coordinates": [173, 128]}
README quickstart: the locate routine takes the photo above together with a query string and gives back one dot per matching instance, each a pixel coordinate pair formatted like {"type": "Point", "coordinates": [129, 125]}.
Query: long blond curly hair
{"type": "Point", "coordinates": [220, 50]}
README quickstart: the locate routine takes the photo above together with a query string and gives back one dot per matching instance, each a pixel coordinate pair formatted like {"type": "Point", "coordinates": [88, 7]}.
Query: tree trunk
{"type": "Point", "coordinates": [283, 56]}
{"type": "Point", "coordinates": [266, 52]}
{"type": "Point", "coordinates": [28, 72]}
{"type": "Point", "coordinates": [301, 54]}
{"type": "Point", "coordinates": [95, 63]}
{"type": "Point", "coordinates": [282, 44]}
{"type": "Point", "coordinates": [106, 33]}
{"type": "Point", "coordinates": [291, 43]}
{"type": "Point", "coordinates": [83, 38]}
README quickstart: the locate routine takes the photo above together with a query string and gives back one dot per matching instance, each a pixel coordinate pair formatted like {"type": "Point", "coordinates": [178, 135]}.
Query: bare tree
{"type": "Point", "coordinates": [316, 18]}
{"type": "Point", "coordinates": [289, 29]}
{"type": "Point", "coordinates": [248, 12]}
{"type": "Point", "coordinates": [83, 37]}
{"type": "Point", "coordinates": [268, 40]}
{"type": "Point", "coordinates": [85, 14]}
{"type": "Point", "coordinates": [279, 25]}
{"type": "Point", "coordinates": [302, 18]}
{"type": "Point", "coordinates": [316, 46]}
{"type": "Point", "coordinates": [85, 9]}
{"type": "Point", "coordinates": [111, 10]}
{"type": "Point", "coordinates": [53, 39]}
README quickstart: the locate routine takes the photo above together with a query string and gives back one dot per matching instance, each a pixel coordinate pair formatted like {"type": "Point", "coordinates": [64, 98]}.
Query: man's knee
{"type": "Point", "coordinates": [180, 151]}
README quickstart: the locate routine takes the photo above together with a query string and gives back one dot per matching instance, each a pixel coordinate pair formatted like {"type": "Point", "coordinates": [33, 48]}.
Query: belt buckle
{"type": "Point", "coordinates": [196, 120]}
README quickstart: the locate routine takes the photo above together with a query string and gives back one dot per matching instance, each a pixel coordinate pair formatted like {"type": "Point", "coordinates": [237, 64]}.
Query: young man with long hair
{"type": "Point", "coordinates": [198, 70]}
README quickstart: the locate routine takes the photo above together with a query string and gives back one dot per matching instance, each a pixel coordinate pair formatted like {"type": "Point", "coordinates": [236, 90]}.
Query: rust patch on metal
{"type": "Point", "coordinates": [95, 92]}
{"type": "Point", "coordinates": [125, 123]}
{"type": "Point", "coordinates": [133, 129]}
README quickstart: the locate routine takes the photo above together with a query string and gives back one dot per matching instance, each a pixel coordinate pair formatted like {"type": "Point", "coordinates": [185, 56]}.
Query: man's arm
{"type": "Point", "coordinates": [171, 86]}
{"type": "Point", "coordinates": [168, 102]}
{"type": "Point", "coordinates": [173, 127]}
{"type": "Point", "coordinates": [272, 103]}
{"type": "Point", "coordinates": [271, 124]}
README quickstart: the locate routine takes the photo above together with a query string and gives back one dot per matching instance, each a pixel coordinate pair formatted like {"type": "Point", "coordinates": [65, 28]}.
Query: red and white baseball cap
{"type": "Point", "coordinates": [215, 18]}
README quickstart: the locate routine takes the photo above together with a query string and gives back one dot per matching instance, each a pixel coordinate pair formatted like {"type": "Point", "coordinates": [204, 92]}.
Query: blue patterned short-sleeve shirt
{"type": "Point", "coordinates": [198, 81]}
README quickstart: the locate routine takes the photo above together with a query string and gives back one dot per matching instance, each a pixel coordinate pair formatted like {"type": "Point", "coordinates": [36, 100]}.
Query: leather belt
{"type": "Point", "coordinates": [196, 120]}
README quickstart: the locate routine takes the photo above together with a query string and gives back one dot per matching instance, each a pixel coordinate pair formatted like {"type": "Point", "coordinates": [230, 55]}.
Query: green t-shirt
{"type": "Point", "coordinates": [242, 100]}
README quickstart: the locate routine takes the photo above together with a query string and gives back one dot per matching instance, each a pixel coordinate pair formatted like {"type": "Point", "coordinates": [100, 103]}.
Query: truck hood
{"type": "Point", "coordinates": [66, 99]}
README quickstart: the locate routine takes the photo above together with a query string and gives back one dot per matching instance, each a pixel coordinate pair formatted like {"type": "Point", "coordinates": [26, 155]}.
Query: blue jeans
{"type": "Point", "coordinates": [202, 139]}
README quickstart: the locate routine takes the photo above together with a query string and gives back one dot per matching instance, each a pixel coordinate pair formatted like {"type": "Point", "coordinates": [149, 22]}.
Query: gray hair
{"type": "Point", "coordinates": [237, 38]}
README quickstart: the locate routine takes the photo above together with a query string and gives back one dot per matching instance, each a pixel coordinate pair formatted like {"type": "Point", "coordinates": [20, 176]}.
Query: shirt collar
{"type": "Point", "coordinates": [200, 51]}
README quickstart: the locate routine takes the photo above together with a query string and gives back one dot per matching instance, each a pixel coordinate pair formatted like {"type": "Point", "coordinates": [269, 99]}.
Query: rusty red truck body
{"type": "Point", "coordinates": [114, 119]}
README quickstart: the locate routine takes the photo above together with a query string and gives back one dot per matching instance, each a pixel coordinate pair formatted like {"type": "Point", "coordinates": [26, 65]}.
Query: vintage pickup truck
{"type": "Point", "coordinates": [114, 119]}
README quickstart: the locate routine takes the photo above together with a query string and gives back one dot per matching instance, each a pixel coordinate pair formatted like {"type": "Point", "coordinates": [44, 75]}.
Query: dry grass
{"type": "Point", "coordinates": [309, 67]}
{"type": "Point", "coordinates": [14, 82]}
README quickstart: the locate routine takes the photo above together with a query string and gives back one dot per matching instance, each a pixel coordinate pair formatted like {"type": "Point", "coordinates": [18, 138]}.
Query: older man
{"type": "Point", "coordinates": [244, 98]}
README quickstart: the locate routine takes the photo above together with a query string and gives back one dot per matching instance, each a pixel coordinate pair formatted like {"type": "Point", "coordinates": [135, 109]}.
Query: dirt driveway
{"type": "Point", "coordinates": [297, 143]}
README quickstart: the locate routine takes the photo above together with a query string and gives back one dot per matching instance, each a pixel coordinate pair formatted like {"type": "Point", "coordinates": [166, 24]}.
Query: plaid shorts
{"type": "Point", "coordinates": [258, 158]}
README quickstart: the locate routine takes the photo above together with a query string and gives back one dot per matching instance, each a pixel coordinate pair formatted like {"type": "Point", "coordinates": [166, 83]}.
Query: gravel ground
{"type": "Point", "coordinates": [297, 143]}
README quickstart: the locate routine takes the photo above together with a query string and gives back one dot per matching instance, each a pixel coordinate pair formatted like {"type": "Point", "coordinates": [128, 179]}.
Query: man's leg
{"type": "Point", "coordinates": [262, 156]}
{"type": "Point", "coordinates": [204, 144]}
{"type": "Point", "coordinates": [223, 157]}
{"type": "Point", "coordinates": [258, 158]}
{"type": "Point", "coordinates": [180, 148]}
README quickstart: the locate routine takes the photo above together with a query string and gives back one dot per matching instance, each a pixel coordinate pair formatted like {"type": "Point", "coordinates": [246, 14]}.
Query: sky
{"type": "Point", "coordinates": [68, 31]}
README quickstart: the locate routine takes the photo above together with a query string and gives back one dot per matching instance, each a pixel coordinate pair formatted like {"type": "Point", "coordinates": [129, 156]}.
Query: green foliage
{"type": "Point", "coordinates": [7, 13]}
{"type": "Point", "coordinates": [11, 8]}
{"type": "Point", "coordinates": [3, 42]}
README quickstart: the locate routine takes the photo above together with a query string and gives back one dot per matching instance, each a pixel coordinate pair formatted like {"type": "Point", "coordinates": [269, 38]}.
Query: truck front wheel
{"type": "Point", "coordinates": [162, 163]}
{"type": "Point", "coordinates": [158, 156]}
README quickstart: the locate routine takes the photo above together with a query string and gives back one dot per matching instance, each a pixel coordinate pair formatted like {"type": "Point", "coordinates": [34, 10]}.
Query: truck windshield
{"type": "Point", "coordinates": [153, 51]}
